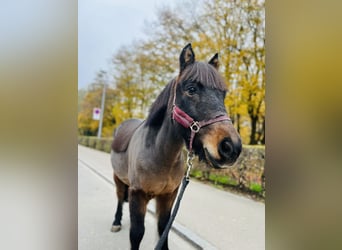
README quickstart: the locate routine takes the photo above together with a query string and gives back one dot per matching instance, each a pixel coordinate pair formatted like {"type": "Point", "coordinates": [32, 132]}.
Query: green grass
{"type": "Point", "coordinates": [255, 187]}
{"type": "Point", "coordinates": [196, 173]}
{"type": "Point", "coordinates": [222, 180]}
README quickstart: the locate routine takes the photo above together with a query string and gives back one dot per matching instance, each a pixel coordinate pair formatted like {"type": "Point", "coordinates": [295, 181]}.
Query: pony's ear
{"type": "Point", "coordinates": [214, 61]}
{"type": "Point", "coordinates": [187, 57]}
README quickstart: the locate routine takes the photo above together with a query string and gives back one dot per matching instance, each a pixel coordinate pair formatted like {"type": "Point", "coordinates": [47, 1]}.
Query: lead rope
{"type": "Point", "coordinates": [185, 182]}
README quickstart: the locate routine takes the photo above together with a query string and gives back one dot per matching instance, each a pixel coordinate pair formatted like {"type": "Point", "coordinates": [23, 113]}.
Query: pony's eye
{"type": "Point", "coordinates": [191, 90]}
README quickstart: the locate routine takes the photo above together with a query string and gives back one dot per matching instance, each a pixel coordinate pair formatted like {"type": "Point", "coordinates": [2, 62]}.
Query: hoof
{"type": "Point", "coordinates": [115, 228]}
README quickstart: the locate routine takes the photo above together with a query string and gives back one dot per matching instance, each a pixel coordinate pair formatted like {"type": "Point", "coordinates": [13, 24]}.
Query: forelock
{"type": "Point", "coordinates": [205, 74]}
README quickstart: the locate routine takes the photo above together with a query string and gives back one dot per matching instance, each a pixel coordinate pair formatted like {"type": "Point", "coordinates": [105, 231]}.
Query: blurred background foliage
{"type": "Point", "coordinates": [139, 71]}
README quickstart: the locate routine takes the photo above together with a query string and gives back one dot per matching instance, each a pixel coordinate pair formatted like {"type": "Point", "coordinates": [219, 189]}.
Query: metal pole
{"type": "Point", "coordinates": [102, 111]}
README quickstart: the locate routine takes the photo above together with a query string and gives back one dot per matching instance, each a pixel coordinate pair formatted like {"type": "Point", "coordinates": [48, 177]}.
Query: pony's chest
{"type": "Point", "coordinates": [160, 186]}
{"type": "Point", "coordinates": [158, 181]}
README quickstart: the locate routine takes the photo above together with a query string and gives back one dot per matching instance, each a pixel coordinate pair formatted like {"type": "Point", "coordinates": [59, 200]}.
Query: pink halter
{"type": "Point", "coordinates": [188, 122]}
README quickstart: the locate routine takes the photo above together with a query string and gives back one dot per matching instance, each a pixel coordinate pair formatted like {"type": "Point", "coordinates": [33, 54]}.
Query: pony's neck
{"type": "Point", "coordinates": [169, 140]}
{"type": "Point", "coordinates": [163, 134]}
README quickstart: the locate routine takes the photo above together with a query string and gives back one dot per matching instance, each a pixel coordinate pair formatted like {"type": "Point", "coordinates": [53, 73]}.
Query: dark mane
{"type": "Point", "coordinates": [159, 107]}
{"type": "Point", "coordinates": [205, 74]}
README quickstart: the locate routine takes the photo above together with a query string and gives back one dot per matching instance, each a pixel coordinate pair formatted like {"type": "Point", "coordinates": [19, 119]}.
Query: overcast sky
{"type": "Point", "coordinates": [105, 25]}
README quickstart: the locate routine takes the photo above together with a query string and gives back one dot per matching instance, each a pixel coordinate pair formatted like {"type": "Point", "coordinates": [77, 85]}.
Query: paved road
{"type": "Point", "coordinates": [211, 218]}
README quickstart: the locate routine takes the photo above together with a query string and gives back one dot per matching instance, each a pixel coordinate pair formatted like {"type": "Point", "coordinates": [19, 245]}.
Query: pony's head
{"type": "Point", "coordinates": [198, 93]}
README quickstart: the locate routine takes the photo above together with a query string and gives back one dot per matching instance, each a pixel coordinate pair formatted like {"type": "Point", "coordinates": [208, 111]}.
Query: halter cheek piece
{"type": "Point", "coordinates": [188, 122]}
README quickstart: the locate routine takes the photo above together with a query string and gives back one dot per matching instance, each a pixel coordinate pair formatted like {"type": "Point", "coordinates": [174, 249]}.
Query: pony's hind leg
{"type": "Point", "coordinates": [122, 194]}
{"type": "Point", "coordinates": [164, 205]}
{"type": "Point", "coordinates": [137, 208]}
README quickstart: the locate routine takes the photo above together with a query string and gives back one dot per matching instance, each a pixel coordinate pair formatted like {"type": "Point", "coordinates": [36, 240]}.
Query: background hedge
{"type": "Point", "coordinates": [246, 175]}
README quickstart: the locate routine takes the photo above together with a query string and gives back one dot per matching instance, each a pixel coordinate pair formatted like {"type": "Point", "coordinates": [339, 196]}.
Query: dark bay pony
{"type": "Point", "coordinates": [147, 155]}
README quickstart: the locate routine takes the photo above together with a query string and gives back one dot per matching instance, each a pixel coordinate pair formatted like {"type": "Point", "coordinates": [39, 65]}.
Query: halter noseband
{"type": "Point", "coordinates": [188, 122]}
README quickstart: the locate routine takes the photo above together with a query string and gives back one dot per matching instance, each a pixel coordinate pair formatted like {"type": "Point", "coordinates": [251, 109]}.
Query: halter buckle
{"type": "Point", "coordinates": [195, 127]}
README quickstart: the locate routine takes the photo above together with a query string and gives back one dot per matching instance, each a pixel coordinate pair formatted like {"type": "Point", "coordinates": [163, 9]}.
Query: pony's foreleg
{"type": "Point", "coordinates": [122, 193]}
{"type": "Point", "coordinates": [164, 205]}
{"type": "Point", "coordinates": [137, 209]}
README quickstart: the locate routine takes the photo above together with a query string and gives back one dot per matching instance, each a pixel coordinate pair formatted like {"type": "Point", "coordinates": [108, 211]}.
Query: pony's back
{"type": "Point", "coordinates": [123, 135]}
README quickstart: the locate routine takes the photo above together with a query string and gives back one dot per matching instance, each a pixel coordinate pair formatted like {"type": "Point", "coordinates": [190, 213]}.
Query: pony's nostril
{"type": "Point", "coordinates": [226, 148]}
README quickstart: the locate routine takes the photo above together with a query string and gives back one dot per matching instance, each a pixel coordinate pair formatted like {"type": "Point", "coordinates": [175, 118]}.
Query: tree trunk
{"type": "Point", "coordinates": [263, 132]}
{"type": "Point", "coordinates": [253, 139]}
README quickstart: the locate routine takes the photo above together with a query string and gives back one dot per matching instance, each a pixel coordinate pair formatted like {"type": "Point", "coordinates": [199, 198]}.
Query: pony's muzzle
{"type": "Point", "coordinates": [221, 144]}
{"type": "Point", "coordinates": [229, 150]}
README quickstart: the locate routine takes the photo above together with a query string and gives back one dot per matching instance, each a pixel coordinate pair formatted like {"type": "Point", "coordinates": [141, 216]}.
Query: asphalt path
{"type": "Point", "coordinates": [208, 218]}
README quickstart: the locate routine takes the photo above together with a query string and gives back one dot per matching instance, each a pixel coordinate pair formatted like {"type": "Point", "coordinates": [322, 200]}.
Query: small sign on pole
{"type": "Point", "coordinates": [96, 113]}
